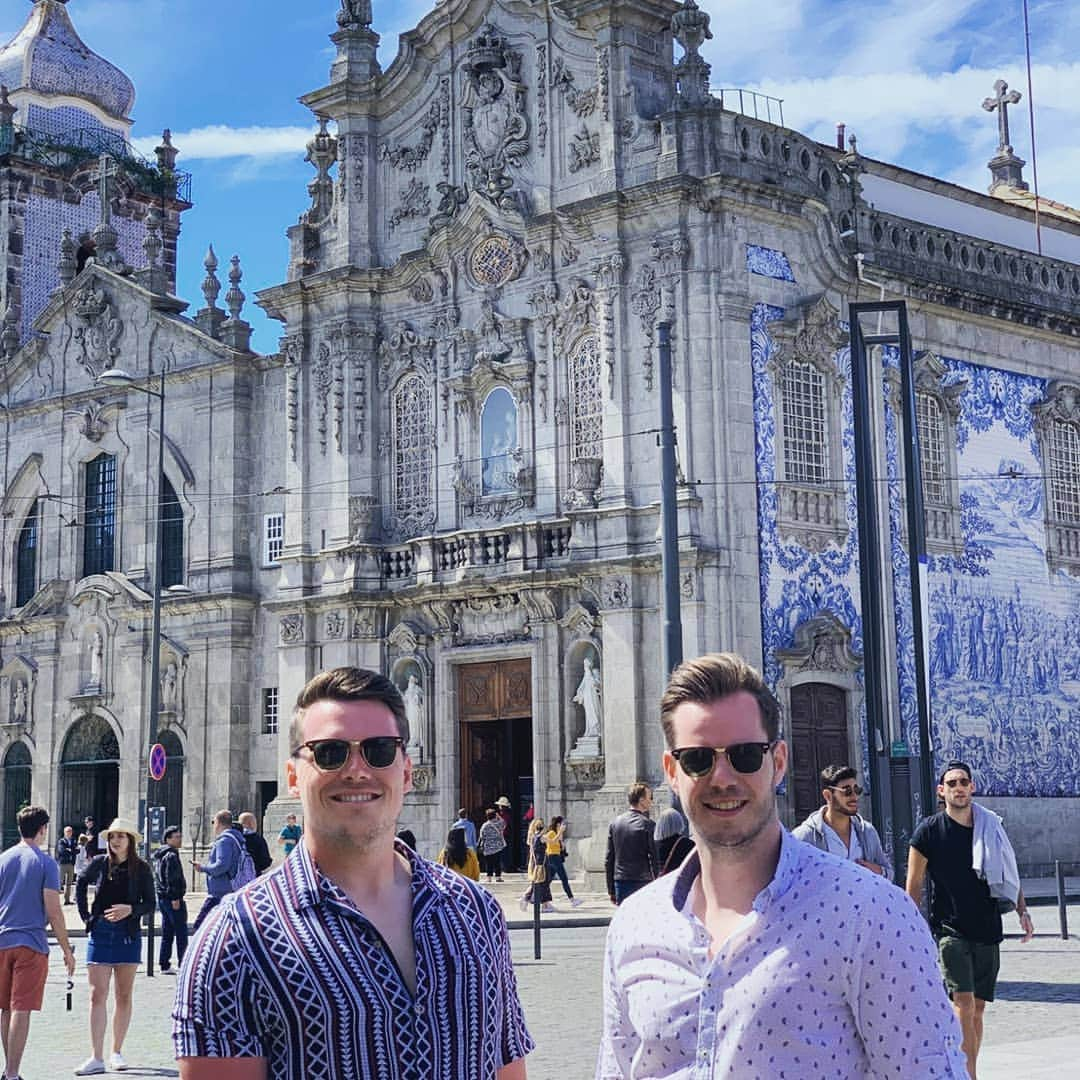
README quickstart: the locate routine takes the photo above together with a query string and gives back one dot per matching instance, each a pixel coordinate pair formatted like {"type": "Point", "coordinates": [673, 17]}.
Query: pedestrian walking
{"type": "Point", "coordinates": [672, 838]}
{"type": "Point", "coordinates": [973, 877]}
{"type": "Point", "coordinates": [458, 856]}
{"type": "Point", "coordinates": [631, 862]}
{"type": "Point", "coordinates": [762, 956]}
{"type": "Point", "coordinates": [67, 851]}
{"type": "Point", "coordinates": [492, 843]}
{"type": "Point", "coordinates": [536, 828]}
{"type": "Point", "coordinates": [290, 834]}
{"type": "Point", "coordinates": [506, 819]}
{"type": "Point", "coordinates": [255, 843]}
{"type": "Point", "coordinates": [555, 852]}
{"type": "Point", "coordinates": [463, 822]}
{"type": "Point", "coordinates": [229, 866]}
{"type": "Point", "coordinates": [354, 934]}
{"type": "Point", "coordinates": [29, 898]}
{"type": "Point", "coordinates": [125, 893]}
{"type": "Point", "coordinates": [837, 827]}
{"type": "Point", "coordinates": [170, 887]}
{"type": "Point", "coordinates": [82, 860]}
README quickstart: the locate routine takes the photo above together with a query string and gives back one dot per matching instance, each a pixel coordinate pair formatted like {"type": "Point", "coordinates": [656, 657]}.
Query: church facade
{"type": "Point", "coordinates": [449, 471]}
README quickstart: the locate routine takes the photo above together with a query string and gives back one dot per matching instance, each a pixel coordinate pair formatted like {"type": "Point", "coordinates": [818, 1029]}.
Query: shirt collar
{"type": "Point", "coordinates": [782, 879]}
{"type": "Point", "coordinates": [310, 887]}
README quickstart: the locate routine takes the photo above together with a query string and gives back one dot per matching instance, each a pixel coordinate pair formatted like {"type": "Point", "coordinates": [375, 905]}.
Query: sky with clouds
{"type": "Point", "coordinates": [907, 78]}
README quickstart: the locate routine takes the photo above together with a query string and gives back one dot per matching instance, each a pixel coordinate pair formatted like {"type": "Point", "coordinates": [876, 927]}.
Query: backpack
{"type": "Point", "coordinates": [245, 865]}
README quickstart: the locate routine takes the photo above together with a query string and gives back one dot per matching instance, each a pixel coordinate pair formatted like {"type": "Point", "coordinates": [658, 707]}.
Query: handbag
{"type": "Point", "coordinates": [539, 873]}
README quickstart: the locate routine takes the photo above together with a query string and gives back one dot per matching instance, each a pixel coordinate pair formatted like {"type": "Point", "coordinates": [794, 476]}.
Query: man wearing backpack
{"type": "Point", "coordinates": [228, 868]}
{"type": "Point", "coordinates": [170, 885]}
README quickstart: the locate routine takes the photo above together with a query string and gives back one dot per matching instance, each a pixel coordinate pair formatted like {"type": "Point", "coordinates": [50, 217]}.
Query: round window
{"type": "Point", "coordinates": [492, 261]}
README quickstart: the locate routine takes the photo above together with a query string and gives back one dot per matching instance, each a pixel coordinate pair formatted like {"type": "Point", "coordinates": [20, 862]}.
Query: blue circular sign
{"type": "Point", "coordinates": [158, 762]}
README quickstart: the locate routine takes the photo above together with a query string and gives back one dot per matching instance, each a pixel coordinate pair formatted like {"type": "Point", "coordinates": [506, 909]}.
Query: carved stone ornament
{"type": "Point", "coordinates": [584, 149]}
{"type": "Point", "coordinates": [405, 638]}
{"type": "Point", "coordinates": [322, 153]}
{"type": "Point", "coordinates": [822, 643]}
{"type": "Point", "coordinates": [291, 628]}
{"type": "Point", "coordinates": [645, 304]}
{"type": "Point", "coordinates": [404, 348]}
{"type": "Point", "coordinates": [580, 621]}
{"type": "Point", "coordinates": [582, 101]}
{"type": "Point", "coordinates": [362, 517]}
{"type": "Point", "coordinates": [814, 340]}
{"type": "Point", "coordinates": [411, 158]}
{"type": "Point", "coordinates": [92, 422]}
{"type": "Point", "coordinates": [585, 477]}
{"type": "Point", "coordinates": [690, 28]}
{"type": "Point", "coordinates": [335, 624]}
{"type": "Point", "coordinates": [491, 620]}
{"type": "Point", "coordinates": [354, 14]}
{"type": "Point", "coordinates": [452, 198]}
{"type": "Point", "coordinates": [586, 772]}
{"type": "Point", "coordinates": [496, 259]}
{"type": "Point", "coordinates": [423, 778]}
{"type": "Point", "coordinates": [495, 123]}
{"type": "Point", "coordinates": [1062, 403]}
{"type": "Point", "coordinates": [363, 623]}
{"type": "Point", "coordinates": [615, 592]}
{"type": "Point", "coordinates": [421, 292]}
{"type": "Point", "coordinates": [686, 585]}
{"type": "Point", "coordinates": [415, 203]}
{"type": "Point", "coordinates": [99, 329]}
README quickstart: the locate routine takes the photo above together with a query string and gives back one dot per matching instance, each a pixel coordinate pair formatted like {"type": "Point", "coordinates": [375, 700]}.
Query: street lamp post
{"type": "Point", "coordinates": [122, 379]}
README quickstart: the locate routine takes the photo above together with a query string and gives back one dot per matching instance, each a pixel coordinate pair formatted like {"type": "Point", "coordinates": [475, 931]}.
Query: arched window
{"type": "Point", "coordinates": [805, 425]}
{"type": "Point", "coordinates": [586, 401]}
{"type": "Point", "coordinates": [172, 536]}
{"type": "Point", "coordinates": [89, 772]}
{"type": "Point", "coordinates": [932, 449]}
{"type": "Point", "coordinates": [937, 406]}
{"type": "Point", "coordinates": [1057, 424]}
{"type": "Point", "coordinates": [16, 780]}
{"type": "Point", "coordinates": [499, 442]}
{"type": "Point", "coordinates": [26, 558]}
{"type": "Point", "coordinates": [412, 451]}
{"type": "Point", "coordinates": [99, 515]}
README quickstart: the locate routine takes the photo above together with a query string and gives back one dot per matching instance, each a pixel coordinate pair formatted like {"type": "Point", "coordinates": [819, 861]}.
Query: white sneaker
{"type": "Point", "coordinates": [576, 902]}
{"type": "Point", "coordinates": [549, 908]}
{"type": "Point", "coordinates": [117, 1062]}
{"type": "Point", "coordinates": [523, 904]}
{"type": "Point", "coordinates": [90, 1067]}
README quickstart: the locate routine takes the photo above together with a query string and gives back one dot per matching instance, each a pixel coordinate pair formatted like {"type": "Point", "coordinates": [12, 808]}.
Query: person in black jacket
{"type": "Point", "coordinates": [631, 862]}
{"type": "Point", "coordinates": [256, 843]}
{"type": "Point", "coordinates": [125, 893]}
{"type": "Point", "coordinates": [67, 847]}
{"type": "Point", "coordinates": [171, 888]}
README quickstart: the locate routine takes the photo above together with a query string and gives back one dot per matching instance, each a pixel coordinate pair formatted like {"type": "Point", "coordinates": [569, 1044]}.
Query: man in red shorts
{"type": "Point", "coordinates": [29, 894]}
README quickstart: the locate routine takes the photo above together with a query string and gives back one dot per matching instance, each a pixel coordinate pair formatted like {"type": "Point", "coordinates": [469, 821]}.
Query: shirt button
{"type": "Point", "coordinates": [418, 1009]}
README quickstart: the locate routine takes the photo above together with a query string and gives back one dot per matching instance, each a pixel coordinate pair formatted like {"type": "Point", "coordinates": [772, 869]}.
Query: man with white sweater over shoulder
{"type": "Point", "coordinates": [973, 878]}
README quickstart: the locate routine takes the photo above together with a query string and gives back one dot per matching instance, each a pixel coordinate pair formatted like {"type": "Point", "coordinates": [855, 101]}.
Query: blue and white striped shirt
{"type": "Point", "coordinates": [289, 969]}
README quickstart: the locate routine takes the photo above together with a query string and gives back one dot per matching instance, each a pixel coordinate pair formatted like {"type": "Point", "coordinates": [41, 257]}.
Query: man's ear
{"type": "Point", "coordinates": [290, 778]}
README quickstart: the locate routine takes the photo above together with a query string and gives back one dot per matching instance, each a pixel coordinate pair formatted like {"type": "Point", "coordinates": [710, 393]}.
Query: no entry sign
{"type": "Point", "coordinates": [158, 762]}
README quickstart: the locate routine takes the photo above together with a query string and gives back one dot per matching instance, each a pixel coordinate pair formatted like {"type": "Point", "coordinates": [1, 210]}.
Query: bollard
{"type": "Point", "coordinates": [536, 926]}
{"type": "Point", "coordinates": [1063, 915]}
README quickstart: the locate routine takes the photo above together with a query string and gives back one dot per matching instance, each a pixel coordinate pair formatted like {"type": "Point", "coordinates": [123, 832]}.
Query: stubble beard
{"type": "Point", "coordinates": [734, 842]}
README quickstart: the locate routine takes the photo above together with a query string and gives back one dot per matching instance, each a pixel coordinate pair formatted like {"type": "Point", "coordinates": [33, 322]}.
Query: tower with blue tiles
{"type": "Point", "coordinates": [65, 119]}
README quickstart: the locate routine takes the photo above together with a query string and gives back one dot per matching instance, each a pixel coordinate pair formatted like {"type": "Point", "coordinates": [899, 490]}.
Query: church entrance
{"type": "Point", "coordinates": [495, 711]}
{"type": "Point", "coordinates": [89, 774]}
{"type": "Point", "coordinates": [16, 789]}
{"type": "Point", "coordinates": [819, 737]}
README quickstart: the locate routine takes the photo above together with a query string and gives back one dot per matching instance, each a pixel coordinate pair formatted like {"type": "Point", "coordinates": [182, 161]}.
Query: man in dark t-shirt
{"type": "Point", "coordinates": [964, 916]}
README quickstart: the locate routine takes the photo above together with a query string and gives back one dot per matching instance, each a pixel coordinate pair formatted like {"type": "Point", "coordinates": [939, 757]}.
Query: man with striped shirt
{"type": "Point", "coordinates": [356, 958]}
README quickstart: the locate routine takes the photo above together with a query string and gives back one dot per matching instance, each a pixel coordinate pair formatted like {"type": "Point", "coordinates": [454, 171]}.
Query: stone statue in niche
{"type": "Point", "coordinates": [97, 656]}
{"type": "Point", "coordinates": [588, 697]}
{"type": "Point", "coordinates": [413, 696]}
{"type": "Point", "coordinates": [18, 703]}
{"type": "Point", "coordinates": [168, 687]}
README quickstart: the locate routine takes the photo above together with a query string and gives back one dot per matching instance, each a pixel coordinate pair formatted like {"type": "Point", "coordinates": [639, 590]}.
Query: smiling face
{"type": "Point", "coordinates": [355, 806]}
{"type": "Point", "coordinates": [842, 799]}
{"type": "Point", "coordinates": [727, 809]}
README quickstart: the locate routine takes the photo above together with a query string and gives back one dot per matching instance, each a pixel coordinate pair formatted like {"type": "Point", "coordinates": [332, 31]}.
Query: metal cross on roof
{"type": "Point", "coordinates": [104, 176]}
{"type": "Point", "coordinates": [1004, 97]}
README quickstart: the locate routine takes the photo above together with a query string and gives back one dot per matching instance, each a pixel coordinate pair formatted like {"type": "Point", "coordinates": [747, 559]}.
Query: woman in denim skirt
{"type": "Point", "coordinates": [125, 893]}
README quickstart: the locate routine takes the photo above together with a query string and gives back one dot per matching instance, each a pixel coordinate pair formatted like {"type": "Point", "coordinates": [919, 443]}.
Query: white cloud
{"type": "Point", "coordinates": [219, 141]}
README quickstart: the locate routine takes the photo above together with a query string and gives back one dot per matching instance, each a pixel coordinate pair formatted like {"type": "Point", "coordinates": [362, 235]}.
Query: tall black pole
{"type": "Point", "coordinates": [669, 513]}
{"type": "Point", "coordinates": [870, 574]}
{"type": "Point", "coordinates": [155, 655]}
{"type": "Point", "coordinates": [917, 565]}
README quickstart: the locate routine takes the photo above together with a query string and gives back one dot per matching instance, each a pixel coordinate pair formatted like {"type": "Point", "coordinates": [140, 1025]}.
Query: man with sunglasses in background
{"type": "Point", "coordinates": [355, 957]}
{"type": "Point", "coordinates": [762, 956]}
{"type": "Point", "coordinates": [973, 877]}
{"type": "Point", "coordinates": [837, 827]}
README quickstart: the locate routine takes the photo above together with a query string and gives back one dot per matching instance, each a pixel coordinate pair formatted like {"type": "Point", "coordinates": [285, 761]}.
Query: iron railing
{"type": "Point", "coordinates": [750, 103]}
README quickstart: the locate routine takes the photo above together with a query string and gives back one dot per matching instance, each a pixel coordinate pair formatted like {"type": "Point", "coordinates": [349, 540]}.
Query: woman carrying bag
{"type": "Point", "coordinates": [540, 890]}
{"type": "Point", "coordinates": [555, 849]}
{"type": "Point", "coordinates": [125, 893]}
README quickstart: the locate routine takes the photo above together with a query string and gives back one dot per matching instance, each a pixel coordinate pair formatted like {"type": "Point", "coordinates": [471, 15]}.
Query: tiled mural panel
{"type": "Point", "coordinates": [1004, 638]}
{"type": "Point", "coordinates": [46, 220]}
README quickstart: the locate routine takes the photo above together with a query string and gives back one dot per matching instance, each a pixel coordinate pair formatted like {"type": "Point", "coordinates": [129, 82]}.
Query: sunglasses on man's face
{"type": "Point", "coordinates": [329, 755]}
{"type": "Point", "coordinates": [847, 790]}
{"type": "Point", "coordinates": [699, 761]}
{"type": "Point", "coordinates": [960, 781]}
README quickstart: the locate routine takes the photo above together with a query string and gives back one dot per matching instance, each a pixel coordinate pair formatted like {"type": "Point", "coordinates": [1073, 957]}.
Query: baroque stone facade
{"type": "Point", "coordinates": [448, 471]}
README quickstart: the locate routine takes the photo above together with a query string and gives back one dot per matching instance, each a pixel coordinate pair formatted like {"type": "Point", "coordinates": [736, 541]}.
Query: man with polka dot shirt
{"type": "Point", "coordinates": [763, 956]}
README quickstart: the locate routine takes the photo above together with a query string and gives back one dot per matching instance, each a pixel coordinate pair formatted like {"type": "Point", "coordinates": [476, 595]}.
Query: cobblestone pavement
{"type": "Point", "coordinates": [1030, 1030]}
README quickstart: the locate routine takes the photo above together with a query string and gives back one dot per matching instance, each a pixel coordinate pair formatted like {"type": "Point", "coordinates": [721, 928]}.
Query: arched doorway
{"type": "Point", "coordinates": [16, 789]}
{"type": "Point", "coordinates": [819, 737]}
{"type": "Point", "coordinates": [89, 774]}
{"type": "Point", "coordinates": [169, 791]}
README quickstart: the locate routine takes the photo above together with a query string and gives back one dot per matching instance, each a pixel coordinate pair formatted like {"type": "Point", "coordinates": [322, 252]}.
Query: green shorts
{"type": "Point", "coordinates": [969, 967]}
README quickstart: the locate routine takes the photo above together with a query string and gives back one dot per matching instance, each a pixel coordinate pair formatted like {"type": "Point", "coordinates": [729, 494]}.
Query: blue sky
{"type": "Point", "coordinates": [907, 78]}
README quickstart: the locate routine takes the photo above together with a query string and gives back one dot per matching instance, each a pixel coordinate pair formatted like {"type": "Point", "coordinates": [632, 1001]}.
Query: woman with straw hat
{"type": "Point", "coordinates": [125, 893]}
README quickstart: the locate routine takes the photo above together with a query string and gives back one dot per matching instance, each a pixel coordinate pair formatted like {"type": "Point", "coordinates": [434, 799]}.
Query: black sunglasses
{"type": "Point", "coordinates": [380, 751]}
{"type": "Point", "coordinates": [848, 790]}
{"type": "Point", "coordinates": [699, 761]}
